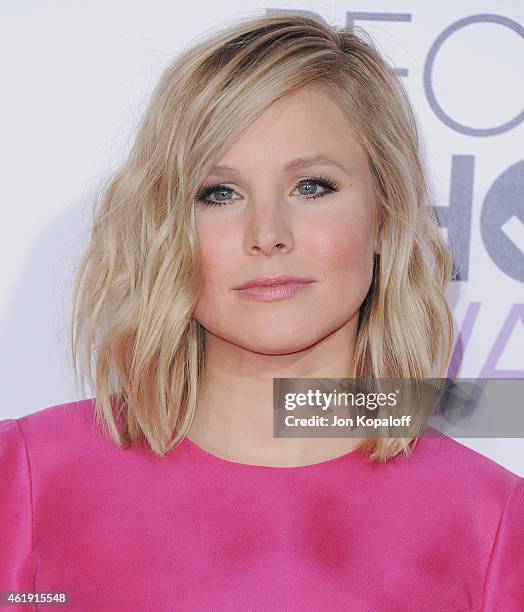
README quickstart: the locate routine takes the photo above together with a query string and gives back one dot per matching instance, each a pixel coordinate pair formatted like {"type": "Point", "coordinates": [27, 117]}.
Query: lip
{"type": "Point", "coordinates": [273, 289]}
{"type": "Point", "coordinates": [265, 281]}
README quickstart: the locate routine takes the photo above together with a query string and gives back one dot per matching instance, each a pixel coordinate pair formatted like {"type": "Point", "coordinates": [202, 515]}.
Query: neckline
{"type": "Point", "coordinates": [354, 454]}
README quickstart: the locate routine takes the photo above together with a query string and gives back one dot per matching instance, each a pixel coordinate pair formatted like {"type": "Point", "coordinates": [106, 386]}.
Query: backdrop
{"type": "Point", "coordinates": [77, 77]}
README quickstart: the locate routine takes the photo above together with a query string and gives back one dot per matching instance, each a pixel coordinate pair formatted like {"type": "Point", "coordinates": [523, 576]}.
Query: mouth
{"type": "Point", "coordinates": [273, 290]}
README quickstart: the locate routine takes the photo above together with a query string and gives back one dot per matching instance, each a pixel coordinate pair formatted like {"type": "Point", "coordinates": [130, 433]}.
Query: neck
{"type": "Point", "coordinates": [234, 416]}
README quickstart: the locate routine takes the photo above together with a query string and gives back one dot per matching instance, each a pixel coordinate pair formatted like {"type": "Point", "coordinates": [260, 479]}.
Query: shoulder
{"type": "Point", "coordinates": [71, 417]}
{"type": "Point", "coordinates": [54, 432]}
{"type": "Point", "coordinates": [463, 474]}
{"type": "Point", "coordinates": [72, 413]}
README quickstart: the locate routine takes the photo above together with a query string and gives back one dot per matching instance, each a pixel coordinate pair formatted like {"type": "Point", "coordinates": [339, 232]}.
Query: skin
{"type": "Point", "coordinates": [330, 239]}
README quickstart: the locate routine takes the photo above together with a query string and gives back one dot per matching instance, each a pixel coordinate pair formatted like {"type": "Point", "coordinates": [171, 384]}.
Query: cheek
{"type": "Point", "coordinates": [342, 245]}
{"type": "Point", "coordinates": [343, 254]}
{"type": "Point", "coordinates": [217, 252]}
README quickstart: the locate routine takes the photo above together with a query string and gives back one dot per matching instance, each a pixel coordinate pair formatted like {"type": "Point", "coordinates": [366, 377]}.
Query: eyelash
{"type": "Point", "coordinates": [323, 181]}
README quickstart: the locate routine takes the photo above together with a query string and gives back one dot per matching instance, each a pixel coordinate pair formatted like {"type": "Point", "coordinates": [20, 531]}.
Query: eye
{"type": "Point", "coordinates": [220, 191]}
{"type": "Point", "coordinates": [203, 194]}
{"type": "Point", "coordinates": [326, 183]}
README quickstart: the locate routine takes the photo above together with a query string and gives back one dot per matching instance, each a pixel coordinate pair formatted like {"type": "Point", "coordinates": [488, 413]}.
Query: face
{"type": "Point", "coordinates": [269, 217]}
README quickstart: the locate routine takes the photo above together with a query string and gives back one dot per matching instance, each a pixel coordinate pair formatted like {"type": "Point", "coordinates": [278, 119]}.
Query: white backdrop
{"type": "Point", "coordinates": [77, 76]}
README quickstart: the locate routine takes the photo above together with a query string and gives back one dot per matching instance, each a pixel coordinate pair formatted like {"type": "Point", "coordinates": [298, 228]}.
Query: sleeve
{"type": "Point", "coordinates": [16, 560]}
{"type": "Point", "coordinates": [504, 584]}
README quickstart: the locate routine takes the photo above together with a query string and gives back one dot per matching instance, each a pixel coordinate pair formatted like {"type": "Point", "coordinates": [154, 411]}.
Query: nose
{"type": "Point", "coordinates": [268, 230]}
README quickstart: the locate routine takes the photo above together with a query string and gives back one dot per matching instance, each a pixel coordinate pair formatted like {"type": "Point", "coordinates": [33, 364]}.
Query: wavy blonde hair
{"type": "Point", "coordinates": [139, 280]}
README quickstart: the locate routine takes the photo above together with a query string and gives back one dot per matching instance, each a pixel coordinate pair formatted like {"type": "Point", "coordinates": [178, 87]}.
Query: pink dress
{"type": "Point", "coordinates": [122, 530]}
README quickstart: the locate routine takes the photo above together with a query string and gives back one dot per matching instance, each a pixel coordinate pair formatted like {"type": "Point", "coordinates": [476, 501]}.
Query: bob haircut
{"type": "Point", "coordinates": [139, 279]}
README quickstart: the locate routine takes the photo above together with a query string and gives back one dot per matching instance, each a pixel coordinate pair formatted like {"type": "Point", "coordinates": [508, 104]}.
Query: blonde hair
{"type": "Point", "coordinates": [139, 280]}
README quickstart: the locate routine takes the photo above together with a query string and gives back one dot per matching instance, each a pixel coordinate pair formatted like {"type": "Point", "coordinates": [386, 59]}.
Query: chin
{"type": "Point", "coordinates": [277, 343]}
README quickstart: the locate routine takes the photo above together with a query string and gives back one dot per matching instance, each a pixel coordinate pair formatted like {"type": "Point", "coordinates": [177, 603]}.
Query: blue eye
{"type": "Point", "coordinates": [313, 194]}
{"type": "Point", "coordinates": [326, 183]}
{"type": "Point", "coordinates": [213, 190]}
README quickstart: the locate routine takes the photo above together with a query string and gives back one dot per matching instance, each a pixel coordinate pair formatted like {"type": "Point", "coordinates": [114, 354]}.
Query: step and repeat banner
{"type": "Point", "coordinates": [77, 76]}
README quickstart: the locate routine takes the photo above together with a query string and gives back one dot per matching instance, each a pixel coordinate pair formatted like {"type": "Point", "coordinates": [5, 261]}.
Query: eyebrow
{"type": "Point", "coordinates": [295, 164]}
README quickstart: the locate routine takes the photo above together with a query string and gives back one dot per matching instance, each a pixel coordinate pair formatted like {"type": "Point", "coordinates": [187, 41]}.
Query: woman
{"type": "Point", "coordinates": [279, 147]}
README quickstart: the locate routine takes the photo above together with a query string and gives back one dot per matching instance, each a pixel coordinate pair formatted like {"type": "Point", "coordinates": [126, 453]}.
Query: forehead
{"type": "Point", "coordinates": [305, 123]}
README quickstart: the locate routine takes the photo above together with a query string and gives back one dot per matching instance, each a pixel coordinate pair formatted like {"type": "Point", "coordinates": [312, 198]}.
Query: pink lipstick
{"type": "Point", "coordinates": [273, 289]}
